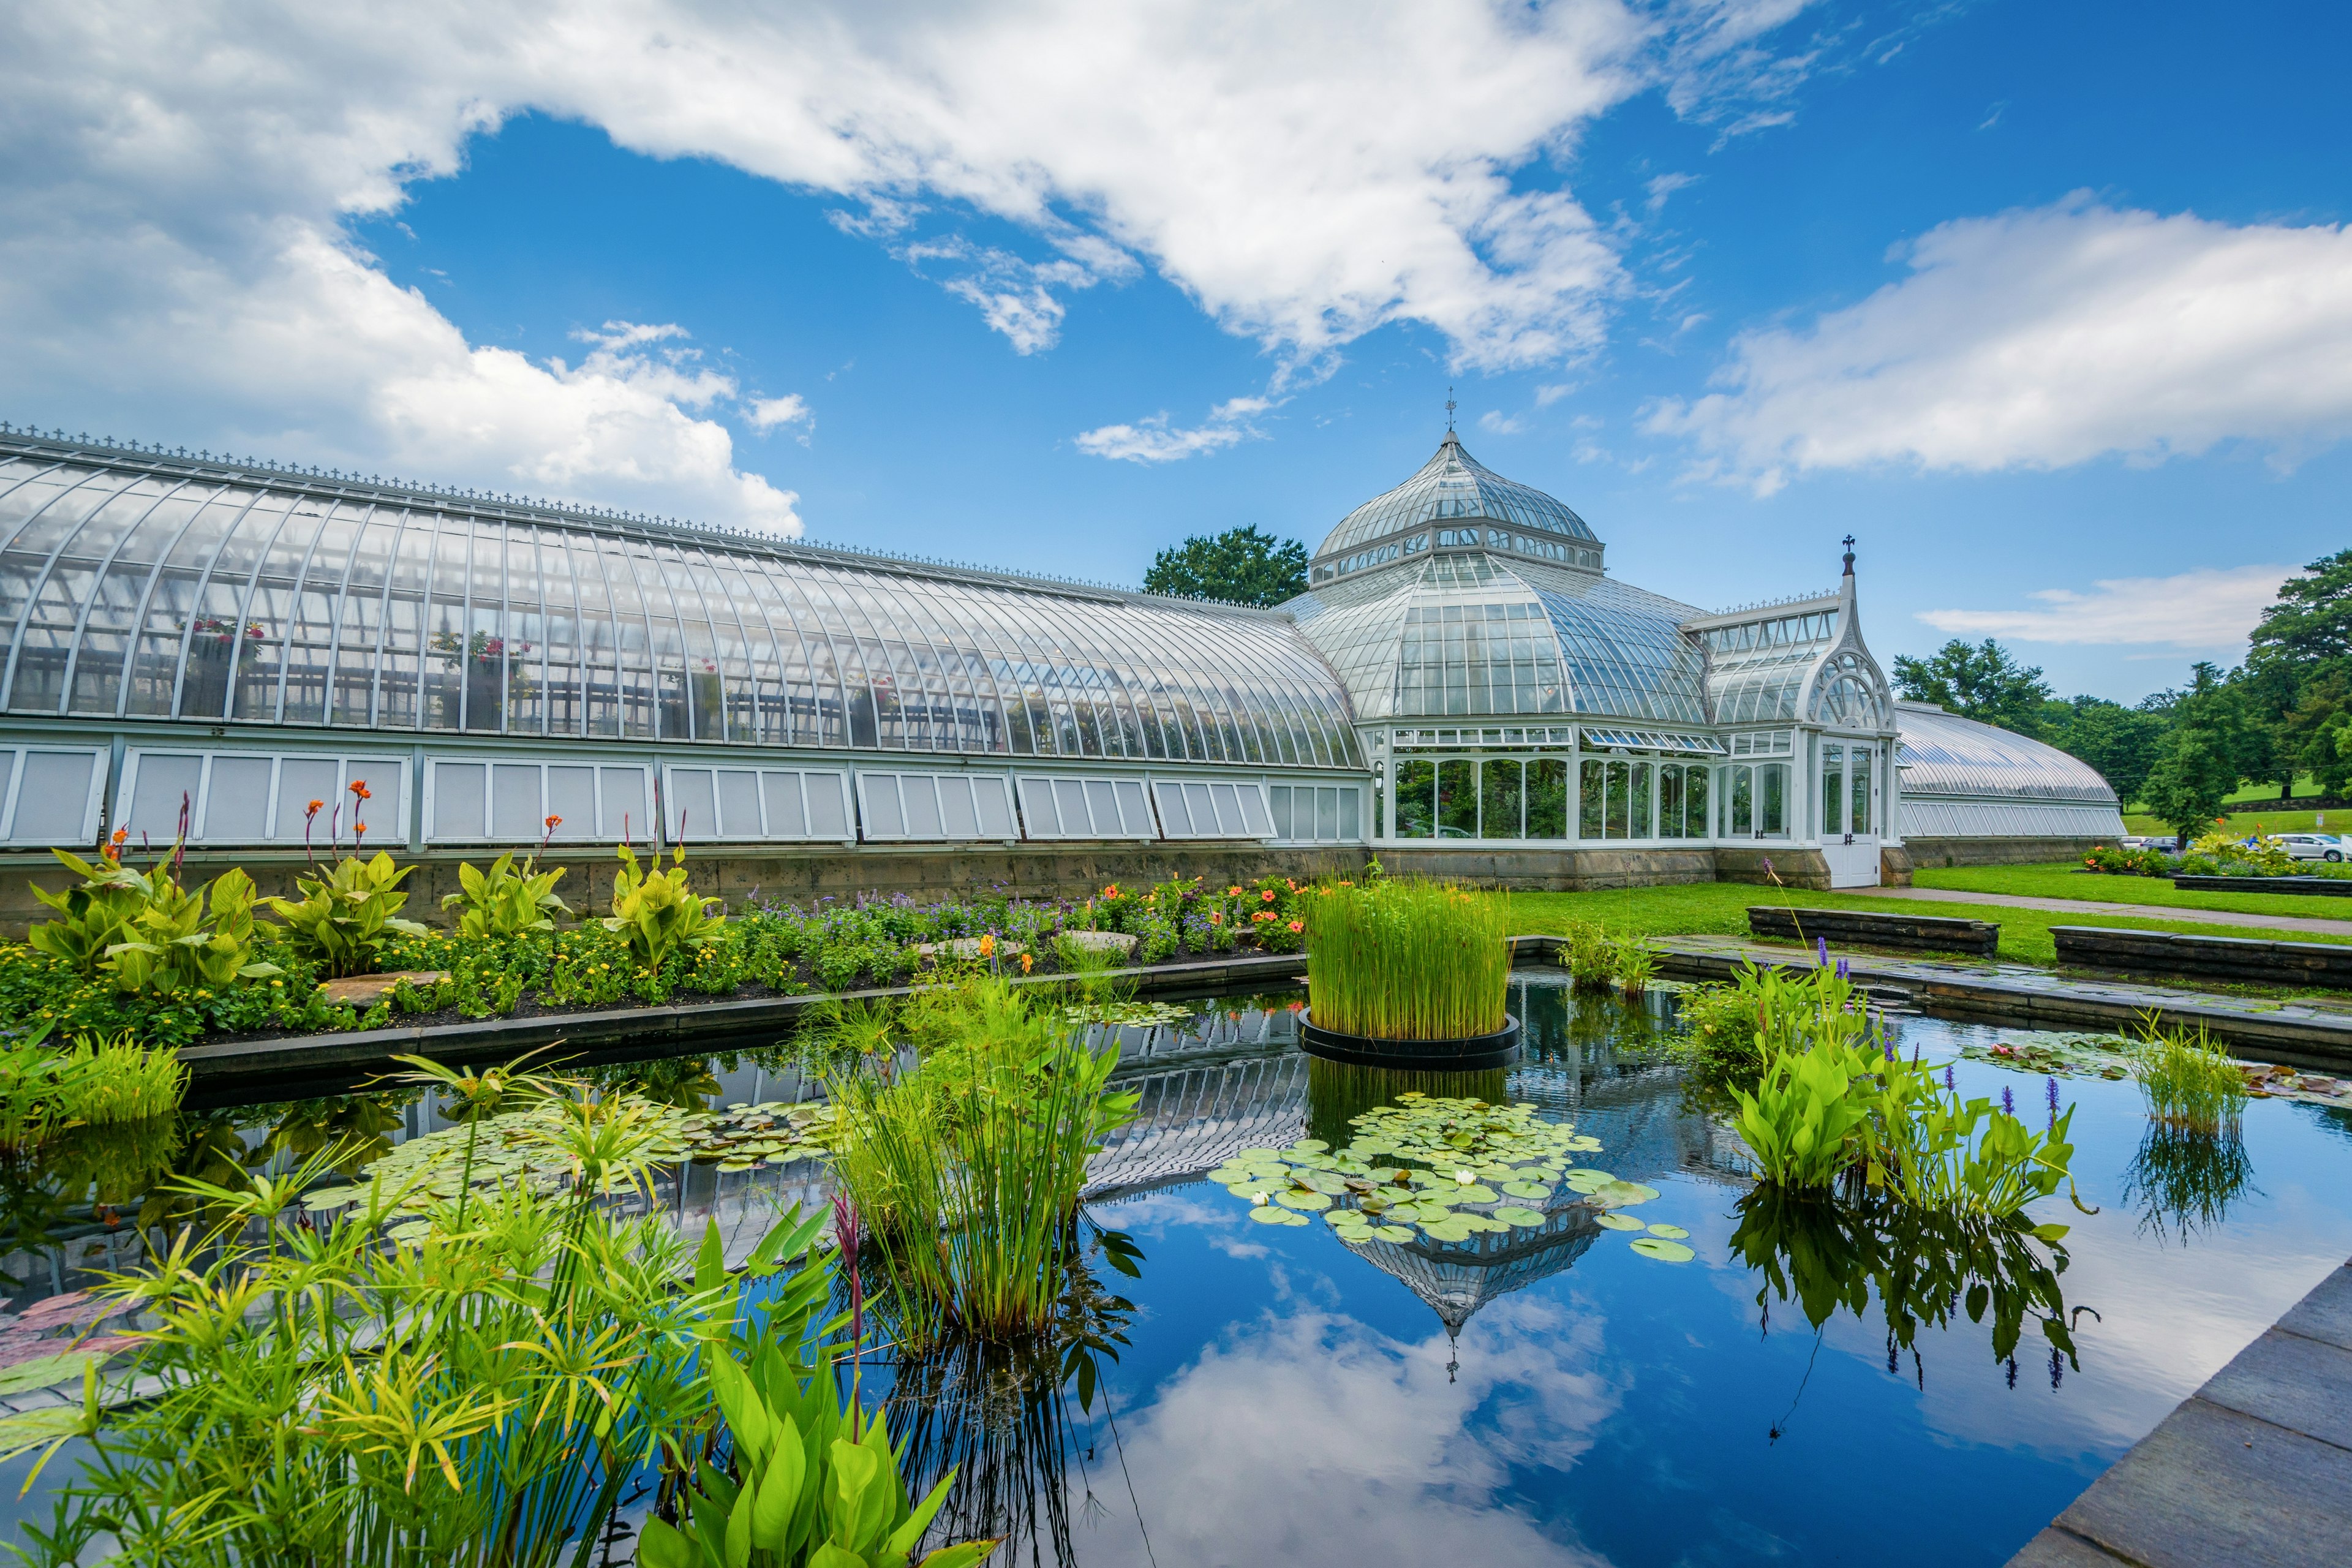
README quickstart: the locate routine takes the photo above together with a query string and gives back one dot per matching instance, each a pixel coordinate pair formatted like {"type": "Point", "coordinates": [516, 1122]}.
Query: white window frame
{"type": "Point", "coordinates": [1311, 790]}
{"type": "Point", "coordinates": [390, 823]}
{"type": "Point", "coordinates": [90, 809]}
{"type": "Point", "coordinates": [872, 783]}
{"type": "Point", "coordinates": [1044, 794]}
{"type": "Point", "coordinates": [611, 813]}
{"type": "Point", "coordinates": [1194, 791]}
{"type": "Point", "coordinates": [726, 832]}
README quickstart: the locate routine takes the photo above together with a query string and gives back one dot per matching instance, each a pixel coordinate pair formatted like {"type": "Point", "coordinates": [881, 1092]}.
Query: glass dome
{"type": "Point", "coordinates": [160, 586]}
{"type": "Point", "coordinates": [1453, 484]}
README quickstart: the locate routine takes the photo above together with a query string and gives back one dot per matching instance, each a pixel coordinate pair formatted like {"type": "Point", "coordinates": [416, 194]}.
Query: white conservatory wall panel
{"type": "Point", "coordinates": [260, 797]}
{"type": "Point", "coordinates": [1066, 807]}
{"type": "Point", "coordinates": [896, 807]}
{"type": "Point", "coordinates": [507, 800]}
{"type": "Point", "coordinates": [50, 796]}
{"type": "Point", "coordinates": [1217, 809]}
{"type": "Point", "coordinates": [742, 805]}
{"type": "Point", "coordinates": [1318, 813]}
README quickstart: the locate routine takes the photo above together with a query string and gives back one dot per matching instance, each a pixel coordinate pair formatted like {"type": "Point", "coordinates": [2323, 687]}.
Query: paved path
{"type": "Point", "coordinates": [2137, 911]}
{"type": "Point", "coordinates": [2253, 1468]}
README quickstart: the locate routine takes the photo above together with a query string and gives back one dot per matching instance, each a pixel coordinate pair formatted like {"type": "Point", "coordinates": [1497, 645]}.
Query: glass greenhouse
{"type": "Point", "coordinates": [202, 646]}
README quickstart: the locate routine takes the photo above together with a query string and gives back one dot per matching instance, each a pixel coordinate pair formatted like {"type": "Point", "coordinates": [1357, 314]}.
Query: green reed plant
{"type": "Point", "coordinates": [1588, 957]}
{"type": "Point", "coordinates": [967, 1170]}
{"type": "Point", "coordinates": [2187, 1078]}
{"type": "Point", "coordinates": [1407, 960]}
{"type": "Point", "coordinates": [485, 1393]}
{"type": "Point", "coordinates": [97, 1081]}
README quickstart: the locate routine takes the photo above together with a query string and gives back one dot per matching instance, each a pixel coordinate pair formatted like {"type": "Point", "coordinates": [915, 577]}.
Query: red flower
{"type": "Point", "coordinates": [358, 788]}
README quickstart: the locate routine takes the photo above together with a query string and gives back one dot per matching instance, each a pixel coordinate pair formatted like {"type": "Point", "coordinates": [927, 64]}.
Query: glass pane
{"type": "Point", "coordinates": [626, 806]}
{"type": "Point", "coordinates": [1351, 828]}
{"type": "Point", "coordinates": [1229, 809]}
{"type": "Point", "coordinates": [1617, 802]}
{"type": "Point", "coordinates": [957, 818]}
{"type": "Point", "coordinates": [457, 789]}
{"type": "Point", "coordinates": [1070, 808]}
{"type": "Point", "coordinates": [514, 803]}
{"type": "Point", "coordinates": [1743, 808]}
{"type": "Point", "coordinates": [53, 803]}
{"type": "Point", "coordinates": [1278, 795]}
{"type": "Point", "coordinates": [995, 808]}
{"type": "Point", "coordinates": [693, 805]}
{"type": "Point", "coordinates": [786, 819]}
{"type": "Point", "coordinates": [1134, 817]}
{"type": "Point", "coordinates": [1457, 798]}
{"type": "Point", "coordinates": [1174, 819]}
{"type": "Point", "coordinates": [572, 795]}
{"type": "Point", "coordinates": [1641, 799]}
{"type": "Point", "coordinates": [1772, 799]}
{"type": "Point", "coordinates": [1695, 782]}
{"type": "Point", "coordinates": [1833, 790]}
{"type": "Point", "coordinates": [739, 802]}
{"type": "Point", "coordinates": [1327, 811]}
{"type": "Point", "coordinates": [1202, 809]}
{"type": "Point", "coordinates": [236, 800]}
{"type": "Point", "coordinates": [1670, 800]}
{"type": "Point", "coordinates": [1589, 794]}
{"type": "Point", "coordinates": [1038, 809]}
{"type": "Point", "coordinates": [1862, 780]}
{"type": "Point", "coordinates": [1499, 785]}
{"type": "Point", "coordinates": [300, 781]}
{"type": "Point", "coordinates": [1547, 798]}
{"type": "Point", "coordinates": [1416, 804]}
{"type": "Point", "coordinates": [162, 787]}
{"type": "Point", "coordinates": [922, 796]}
{"type": "Point", "coordinates": [828, 811]}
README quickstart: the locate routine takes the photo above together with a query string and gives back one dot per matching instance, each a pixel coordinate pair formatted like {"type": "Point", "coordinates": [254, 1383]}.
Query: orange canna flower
{"type": "Point", "coordinates": [313, 809]}
{"type": "Point", "coordinates": [553, 823]}
{"type": "Point", "coordinates": [121, 834]}
{"type": "Point", "coordinates": [359, 827]}
{"type": "Point", "coordinates": [358, 788]}
{"type": "Point", "coordinates": [1026, 961]}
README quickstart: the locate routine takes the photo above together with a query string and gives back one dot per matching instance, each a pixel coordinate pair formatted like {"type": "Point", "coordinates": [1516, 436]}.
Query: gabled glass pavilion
{"type": "Point", "coordinates": [206, 646]}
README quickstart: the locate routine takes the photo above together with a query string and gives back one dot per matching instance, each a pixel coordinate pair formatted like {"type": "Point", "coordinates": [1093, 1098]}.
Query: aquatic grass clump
{"type": "Point", "coordinates": [2188, 1080]}
{"type": "Point", "coordinates": [1407, 960]}
{"type": "Point", "coordinates": [966, 1169]}
{"type": "Point", "coordinates": [97, 1081]}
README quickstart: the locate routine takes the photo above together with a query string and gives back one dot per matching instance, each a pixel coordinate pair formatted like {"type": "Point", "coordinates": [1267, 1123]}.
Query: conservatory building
{"type": "Point", "coordinates": [199, 647]}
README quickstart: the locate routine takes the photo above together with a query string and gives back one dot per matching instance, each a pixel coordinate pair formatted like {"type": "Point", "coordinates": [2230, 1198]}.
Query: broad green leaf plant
{"type": "Point", "coordinates": [508, 901]}
{"type": "Point", "coordinates": [657, 912]}
{"type": "Point", "coordinates": [346, 916]}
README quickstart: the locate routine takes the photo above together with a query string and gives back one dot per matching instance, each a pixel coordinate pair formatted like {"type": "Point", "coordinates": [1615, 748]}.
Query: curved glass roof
{"type": "Point", "coordinates": [1941, 754]}
{"type": "Point", "coordinates": [1453, 484]}
{"type": "Point", "coordinates": [1471, 635]}
{"type": "Point", "coordinates": [146, 586]}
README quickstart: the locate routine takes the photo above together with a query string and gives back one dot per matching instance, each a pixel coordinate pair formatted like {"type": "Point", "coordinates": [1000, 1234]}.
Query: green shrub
{"type": "Point", "coordinates": [345, 918]}
{"type": "Point", "coordinates": [1589, 957]}
{"type": "Point", "coordinates": [1407, 960]}
{"type": "Point", "coordinates": [2117, 861]}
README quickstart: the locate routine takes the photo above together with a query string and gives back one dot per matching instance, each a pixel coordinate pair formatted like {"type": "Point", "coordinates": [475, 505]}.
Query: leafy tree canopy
{"type": "Point", "coordinates": [1980, 682]}
{"type": "Point", "coordinates": [2312, 618]}
{"type": "Point", "coordinates": [1240, 566]}
{"type": "Point", "coordinates": [2121, 742]}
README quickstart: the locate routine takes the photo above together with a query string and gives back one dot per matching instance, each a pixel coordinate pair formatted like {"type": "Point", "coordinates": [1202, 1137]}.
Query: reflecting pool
{"type": "Point", "coordinates": [1816, 1384]}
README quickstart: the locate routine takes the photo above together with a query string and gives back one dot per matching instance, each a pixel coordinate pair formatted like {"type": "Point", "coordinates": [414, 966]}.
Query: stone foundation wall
{"type": "Point", "coordinates": [1997, 851]}
{"type": "Point", "coordinates": [1554, 870]}
{"type": "Point", "coordinates": [1894, 864]}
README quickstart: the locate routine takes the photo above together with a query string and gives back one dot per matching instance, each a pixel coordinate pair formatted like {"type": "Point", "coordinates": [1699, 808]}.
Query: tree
{"type": "Point", "coordinates": [1983, 684]}
{"type": "Point", "coordinates": [2199, 762]}
{"type": "Point", "coordinates": [1240, 566]}
{"type": "Point", "coordinates": [2121, 742]}
{"type": "Point", "coordinates": [2299, 670]}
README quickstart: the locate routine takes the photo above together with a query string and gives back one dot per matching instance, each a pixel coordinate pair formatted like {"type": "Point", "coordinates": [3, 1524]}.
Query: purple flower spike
{"type": "Point", "coordinates": [1950, 1083]}
{"type": "Point", "coordinates": [1767, 865]}
{"type": "Point", "coordinates": [2008, 1101]}
{"type": "Point", "coordinates": [1845, 969]}
{"type": "Point", "coordinates": [1821, 951]}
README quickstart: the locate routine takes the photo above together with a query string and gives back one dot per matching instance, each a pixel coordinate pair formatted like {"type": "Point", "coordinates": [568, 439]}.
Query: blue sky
{"type": "Point", "coordinates": [2049, 306]}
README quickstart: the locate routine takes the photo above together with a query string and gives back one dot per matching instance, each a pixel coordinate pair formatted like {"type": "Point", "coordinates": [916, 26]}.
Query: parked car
{"type": "Point", "coordinates": [2312, 846]}
{"type": "Point", "coordinates": [2167, 842]}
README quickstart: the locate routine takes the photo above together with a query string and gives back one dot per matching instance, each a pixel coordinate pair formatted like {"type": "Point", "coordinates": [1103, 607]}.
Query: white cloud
{"type": "Point", "coordinates": [1155, 440]}
{"type": "Point", "coordinates": [2210, 607]}
{"type": "Point", "coordinates": [2045, 338]}
{"type": "Point", "coordinates": [1501, 424]}
{"type": "Point", "coordinates": [178, 182]}
{"type": "Point", "coordinates": [767, 414]}
{"type": "Point", "coordinates": [1663, 186]}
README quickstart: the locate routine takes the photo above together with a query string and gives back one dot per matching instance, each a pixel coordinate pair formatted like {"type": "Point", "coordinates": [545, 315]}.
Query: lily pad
{"type": "Point", "coordinates": [1249, 1190]}
{"type": "Point", "coordinates": [1475, 1193]}
{"type": "Point", "coordinates": [1309, 1146]}
{"type": "Point", "coordinates": [1511, 1214]}
{"type": "Point", "coordinates": [1392, 1233]}
{"type": "Point", "coordinates": [47, 1371]}
{"type": "Point", "coordinates": [1620, 1222]}
{"type": "Point", "coordinates": [1268, 1214]}
{"type": "Point", "coordinates": [1293, 1198]}
{"type": "Point", "coordinates": [1624, 1195]}
{"type": "Point", "coordinates": [1446, 1230]}
{"type": "Point", "coordinates": [1665, 1251]}
{"type": "Point", "coordinates": [1538, 1190]}
{"type": "Point", "coordinates": [332, 1197]}
{"type": "Point", "coordinates": [1670, 1232]}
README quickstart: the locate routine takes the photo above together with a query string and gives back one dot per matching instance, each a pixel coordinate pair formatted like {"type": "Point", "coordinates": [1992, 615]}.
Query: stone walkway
{"type": "Point", "coordinates": [2253, 1468]}
{"type": "Point", "coordinates": [2308, 1031]}
{"type": "Point", "coordinates": [2137, 911]}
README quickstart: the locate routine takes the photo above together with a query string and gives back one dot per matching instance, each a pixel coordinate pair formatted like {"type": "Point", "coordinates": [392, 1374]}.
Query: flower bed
{"type": "Point", "coordinates": [764, 949]}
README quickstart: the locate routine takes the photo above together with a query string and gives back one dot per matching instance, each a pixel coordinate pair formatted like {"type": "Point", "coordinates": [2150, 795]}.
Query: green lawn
{"type": "Point", "coordinates": [2246, 820]}
{"type": "Point", "coordinates": [2066, 879]}
{"type": "Point", "coordinates": [1723, 907]}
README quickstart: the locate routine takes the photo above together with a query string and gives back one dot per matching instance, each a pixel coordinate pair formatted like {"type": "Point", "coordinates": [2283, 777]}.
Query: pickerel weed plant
{"type": "Point", "coordinates": [344, 918]}
{"type": "Point", "coordinates": [1407, 960]}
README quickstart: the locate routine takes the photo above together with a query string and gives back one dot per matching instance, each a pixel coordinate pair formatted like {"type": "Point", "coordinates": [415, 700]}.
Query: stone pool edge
{"type": "Point", "coordinates": [2253, 1468]}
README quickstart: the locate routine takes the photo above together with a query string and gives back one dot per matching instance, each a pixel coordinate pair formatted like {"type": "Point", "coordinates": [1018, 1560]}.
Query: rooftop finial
{"type": "Point", "coordinates": [1449, 411]}
{"type": "Point", "coordinates": [1849, 554]}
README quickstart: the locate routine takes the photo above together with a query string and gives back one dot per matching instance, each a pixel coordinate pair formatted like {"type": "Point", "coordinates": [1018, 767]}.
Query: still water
{"type": "Point", "coordinates": [1553, 1397]}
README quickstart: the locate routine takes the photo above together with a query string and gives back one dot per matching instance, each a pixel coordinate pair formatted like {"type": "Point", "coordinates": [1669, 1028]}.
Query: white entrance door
{"type": "Point", "coordinates": [1850, 810]}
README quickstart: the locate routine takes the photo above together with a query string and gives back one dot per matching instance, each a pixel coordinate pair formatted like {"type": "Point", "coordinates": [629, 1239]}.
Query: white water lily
{"type": "Point", "coordinates": [1258, 1198]}
{"type": "Point", "coordinates": [1463, 1178]}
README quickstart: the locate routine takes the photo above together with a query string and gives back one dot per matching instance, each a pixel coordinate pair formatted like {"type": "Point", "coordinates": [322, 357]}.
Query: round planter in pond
{"type": "Point", "coordinates": [1498, 1049]}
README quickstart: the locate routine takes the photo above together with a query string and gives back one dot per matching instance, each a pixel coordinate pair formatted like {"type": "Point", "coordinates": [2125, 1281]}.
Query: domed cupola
{"type": "Point", "coordinates": [1455, 502]}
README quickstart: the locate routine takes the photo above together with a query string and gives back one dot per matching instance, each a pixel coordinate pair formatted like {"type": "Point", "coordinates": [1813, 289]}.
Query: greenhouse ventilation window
{"type": "Point", "coordinates": [260, 797]}
{"type": "Point", "coordinates": [50, 796]}
{"type": "Point", "coordinates": [1063, 808]}
{"type": "Point", "coordinates": [804, 806]}
{"type": "Point", "coordinates": [1214, 810]}
{"type": "Point", "coordinates": [507, 801]}
{"type": "Point", "coordinates": [1324, 813]}
{"type": "Point", "coordinates": [896, 807]}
